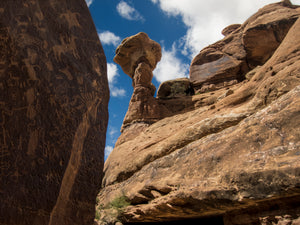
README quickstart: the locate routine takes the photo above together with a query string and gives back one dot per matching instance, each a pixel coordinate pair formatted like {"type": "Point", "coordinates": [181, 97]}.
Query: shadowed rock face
{"type": "Point", "coordinates": [175, 88]}
{"type": "Point", "coordinates": [53, 112]}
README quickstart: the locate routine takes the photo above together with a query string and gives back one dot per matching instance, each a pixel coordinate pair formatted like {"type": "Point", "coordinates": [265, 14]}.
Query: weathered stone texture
{"type": "Point", "coordinates": [243, 48]}
{"type": "Point", "coordinates": [135, 49]}
{"type": "Point", "coordinates": [53, 112]}
{"type": "Point", "coordinates": [231, 28]}
{"type": "Point", "coordinates": [175, 88]}
{"type": "Point", "coordinates": [234, 153]}
{"type": "Point", "coordinates": [264, 31]}
{"type": "Point", "coordinates": [138, 56]}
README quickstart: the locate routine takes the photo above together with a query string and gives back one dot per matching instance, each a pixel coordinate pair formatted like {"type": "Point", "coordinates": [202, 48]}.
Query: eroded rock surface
{"type": "Point", "coordinates": [175, 88]}
{"type": "Point", "coordinates": [135, 49]}
{"type": "Point", "coordinates": [138, 56]}
{"type": "Point", "coordinates": [243, 48]}
{"type": "Point", "coordinates": [234, 153]}
{"type": "Point", "coordinates": [53, 113]}
{"type": "Point", "coordinates": [264, 31]}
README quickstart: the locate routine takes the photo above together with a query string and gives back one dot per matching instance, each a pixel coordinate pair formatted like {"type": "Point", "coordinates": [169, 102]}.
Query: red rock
{"type": "Point", "coordinates": [234, 156]}
{"type": "Point", "coordinates": [265, 30]}
{"type": "Point", "coordinates": [175, 88]}
{"type": "Point", "coordinates": [244, 47]}
{"type": "Point", "coordinates": [53, 113]}
{"type": "Point", "coordinates": [135, 49]}
{"type": "Point", "coordinates": [221, 62]}
{"type": "Point", "coordinates": [138, 56]}
{"type": "Point", "coordinates": [231, 28]}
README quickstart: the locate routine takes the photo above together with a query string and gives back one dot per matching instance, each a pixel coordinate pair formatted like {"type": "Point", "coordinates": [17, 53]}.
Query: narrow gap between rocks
{"type": "Point", "coordinates": [203, 221]}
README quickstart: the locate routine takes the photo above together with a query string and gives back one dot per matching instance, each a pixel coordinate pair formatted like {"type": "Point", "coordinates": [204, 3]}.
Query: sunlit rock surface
{"type": "Point", "coordinates": [231, 151]}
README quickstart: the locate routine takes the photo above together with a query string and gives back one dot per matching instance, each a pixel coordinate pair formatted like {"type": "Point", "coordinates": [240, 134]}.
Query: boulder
{"type": "Point", "coordinates": [53, 113]}
{"type": "Point", "coordinates": [175, 88]}
{"type": "Point", "coordinates": [135, 49]}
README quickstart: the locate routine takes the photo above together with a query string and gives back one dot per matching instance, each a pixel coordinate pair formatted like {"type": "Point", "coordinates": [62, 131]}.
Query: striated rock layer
{"type": "Point", "coordinates": [243, 48]}
{"type": "Point", "coordinates": [233, 154]}
{"type": "Point", "coordinates": [53, 112]}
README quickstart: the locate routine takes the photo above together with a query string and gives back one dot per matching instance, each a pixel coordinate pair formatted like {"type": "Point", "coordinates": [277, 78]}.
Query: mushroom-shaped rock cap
{"type": "Point", "coordinates": [136, 49]}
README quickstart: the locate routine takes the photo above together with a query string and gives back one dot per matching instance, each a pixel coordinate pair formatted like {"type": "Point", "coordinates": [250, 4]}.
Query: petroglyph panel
{"type": "Point", "coordinates": [53, 112]}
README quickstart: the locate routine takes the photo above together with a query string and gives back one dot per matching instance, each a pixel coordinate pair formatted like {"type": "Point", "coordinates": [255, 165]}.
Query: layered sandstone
{"type": "Point", "coordinates": [243, 48]}
{"type": "Point", "coordinates": [138, 56]}
{"type": "Point", "coordinates": [232, 152]}
{"type": "Point", "coordinates": [53, 113]}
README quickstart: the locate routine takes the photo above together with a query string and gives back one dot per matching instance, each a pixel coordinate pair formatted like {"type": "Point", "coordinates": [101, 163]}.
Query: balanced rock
{"type": "Point", "coordinates": [138, 56]}
{"type": "Point", "coordinates": [136, 49]}
{"type": "Point", "coordinates": [53, 113]}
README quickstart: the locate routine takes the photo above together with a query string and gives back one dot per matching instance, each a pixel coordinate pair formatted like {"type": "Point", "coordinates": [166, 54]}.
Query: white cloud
{"type": "Point", "coordinates": [206, 19]}
{"type": "Point", "coordinates": [89, 2]}
{"type": "Point", "coordinates": [117, 92]}
{"type": "Point", "coordinates": [109, 38]}
{"type": "Point", "coordinates": [128, 12]}
{"type": "Point", "coordinates": [107, 151]}
{"type": "Point", "coordinates": [112, 74]}
{"type": "Point", "coordinates": [112, 131]}
{"type": "Point", "coordinates": [170, 67]}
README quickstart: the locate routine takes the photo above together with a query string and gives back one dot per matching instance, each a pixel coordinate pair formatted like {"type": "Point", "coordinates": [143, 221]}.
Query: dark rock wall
{"type": "Point", "coordinates": [53, 112]}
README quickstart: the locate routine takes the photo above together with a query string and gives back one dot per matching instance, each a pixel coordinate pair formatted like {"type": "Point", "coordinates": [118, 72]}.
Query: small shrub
{"type": "Point", "coordinates": [97, 215]}
{"type": "Point", "coordinates": [119, 202]}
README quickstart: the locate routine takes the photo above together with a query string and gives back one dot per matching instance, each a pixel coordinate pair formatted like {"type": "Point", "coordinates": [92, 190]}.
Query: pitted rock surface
{"type": "Point", "coordinates": [53, 113]}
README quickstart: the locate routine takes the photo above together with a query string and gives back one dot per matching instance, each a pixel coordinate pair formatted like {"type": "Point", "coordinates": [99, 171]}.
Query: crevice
{"type": "Point", "coordinates": [217, 220]}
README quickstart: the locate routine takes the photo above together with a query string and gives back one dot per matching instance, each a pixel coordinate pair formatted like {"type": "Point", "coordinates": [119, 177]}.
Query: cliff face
{"type": "Point", "coordinates": [53, 112]}
{"type": "Point", "coordinates": [232, 149]}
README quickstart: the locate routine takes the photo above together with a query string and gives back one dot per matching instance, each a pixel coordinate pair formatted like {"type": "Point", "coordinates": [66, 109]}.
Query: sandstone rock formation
{"type": "Point", "coordinates": [136, 49]}
{"type": "Point", "coordinates": [233, 154]}
{"type": "Point", "coordinates": [243, 48]}
{"type": "Point", "coordinates": [229, 29]}
{"type": "Point", "coordinates": [269, 25]}
{"type": "Point", "coordinates": [138, 56]}
{"type": "Point", "coordinates": [175, 88]}
{"type": "Point", "coordinates": [53, 113]}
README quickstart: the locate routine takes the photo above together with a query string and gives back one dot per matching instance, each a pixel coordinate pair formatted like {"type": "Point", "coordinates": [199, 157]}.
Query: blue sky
{"type": "Point", "coordinates": [182, 27]}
